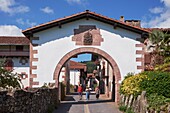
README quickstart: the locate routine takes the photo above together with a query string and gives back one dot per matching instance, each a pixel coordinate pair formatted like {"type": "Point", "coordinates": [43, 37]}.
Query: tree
{"type": "Point", "coordinates": [8, 79]}
{"type": "Point", "coordinates": [165, 66]}
{"type": "Point", "coordinates": [91, 66]}
{"type": "Point", "coordinates": [160, 46]}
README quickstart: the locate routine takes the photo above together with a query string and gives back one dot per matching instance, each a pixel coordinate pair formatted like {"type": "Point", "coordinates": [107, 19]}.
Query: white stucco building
{"type": "Point", "coordinates": [52, 44]}
{"type": "Point", "coordinates": [14, 51]}
{"type": "Point", "coordinates": [73, 71]}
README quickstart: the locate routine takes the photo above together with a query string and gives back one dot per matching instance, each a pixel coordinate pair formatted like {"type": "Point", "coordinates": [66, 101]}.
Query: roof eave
{"type": "Point", "coordinates": [87, 15]}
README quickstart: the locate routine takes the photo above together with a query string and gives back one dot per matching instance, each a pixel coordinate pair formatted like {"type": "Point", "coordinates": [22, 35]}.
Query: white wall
{"type": "Point", "coordinates": [62, 73]}
{"type": "Point", "coordinates": [54, 43]}
{"type": "Point", "coordinates": [18, 68]}
{"type": "Point", "coordinates": [74, 77]}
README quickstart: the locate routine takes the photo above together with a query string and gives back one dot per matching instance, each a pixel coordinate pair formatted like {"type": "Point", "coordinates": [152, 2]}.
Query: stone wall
{"type": "Point", "coordinates": [139, 104]}
{"type": "Point", "coordinates": [37, 101]}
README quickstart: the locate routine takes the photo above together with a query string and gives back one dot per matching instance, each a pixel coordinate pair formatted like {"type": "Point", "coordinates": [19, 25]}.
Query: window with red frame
{"type": "Point", "coordinates": [9, 64]}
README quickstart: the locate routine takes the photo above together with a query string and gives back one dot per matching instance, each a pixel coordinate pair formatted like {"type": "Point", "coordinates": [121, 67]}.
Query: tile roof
{"type": "Point", "coordinates": [162, 29]}
{"type": "Point", "coordinates": [13, 40]}
{"type": "Point", "coordinates": [74, 63]}
{"type": "Point", "coordinates": [77, 65]}
{"type": "Point", "coordinates": [85, 14]}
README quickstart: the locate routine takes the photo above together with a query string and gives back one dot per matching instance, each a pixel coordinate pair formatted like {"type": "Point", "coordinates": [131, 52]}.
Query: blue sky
{"type": "Point", "coordinates": [82, 57]}
{"type": "Point", "coordinates": [17, 15]}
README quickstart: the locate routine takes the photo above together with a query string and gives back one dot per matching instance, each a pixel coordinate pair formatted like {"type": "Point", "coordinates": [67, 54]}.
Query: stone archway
{"type": "Point", "coordinates": [90, 50]}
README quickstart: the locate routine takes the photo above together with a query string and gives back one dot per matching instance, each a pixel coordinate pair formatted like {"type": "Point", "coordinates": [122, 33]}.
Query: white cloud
{"type": "Point", "coordinates": [10, 30]}
{"type": "Point", "coordinates": [11, 7]}
{"type": "Point", "coordinates": [156, 10]}
{"type": "Point", "coordinates": [162, 20]}
{"type": "Point", "coordinates": [166, 2]}
{"type": "Point", "coordinates": [26, 22]}
{"type": "Point", "coordinates": [20, 9]}
{"type": "Point", "coordinates": [47, 10]}
{"type": "Point", "coordinates": [75, 1]}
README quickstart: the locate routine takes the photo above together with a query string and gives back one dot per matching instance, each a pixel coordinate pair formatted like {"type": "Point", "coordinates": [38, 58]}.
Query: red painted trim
{"type": "Point", "coordinates": [32, 59]}
{"type": "Point", "coordinates": [34, 51]}
{"type": "Point", "coordinates": [140, 59]}
{"type": "Point", "coordinates": [35, 59]}
{"type": "Point", "coordinates": [139, 45]}
{"type": "Point", "coordinates": [34, 67]}
{"type": "Point", "coordinates": [139, 52]}
{"type": "Point", "coordinates": [35, 83]}
{"type": "Point", "coordinates": [33, 76]}
{"type": "Point", "coordinates": [140, 67]}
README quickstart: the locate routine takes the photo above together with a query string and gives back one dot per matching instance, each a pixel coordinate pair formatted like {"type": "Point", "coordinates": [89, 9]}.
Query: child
{"type": "Point", "coordinates": [80, 90]}
{"type": "Point", "coordinates": [97, 90]}
{"type": "Point", "coordinates": [87, 93]}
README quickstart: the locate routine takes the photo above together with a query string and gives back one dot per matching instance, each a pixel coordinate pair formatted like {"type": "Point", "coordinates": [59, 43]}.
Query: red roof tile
{"type": "Point", "coordinates": [161, 29]}
{"type": "Point", "coordinates": [10, 40]}
{"type": "Point", "coordinates": [85, 14]}
{"type": "Point", "coordinates": [73, 63]}
{"type": "Point", "coordinates": [77, 65]}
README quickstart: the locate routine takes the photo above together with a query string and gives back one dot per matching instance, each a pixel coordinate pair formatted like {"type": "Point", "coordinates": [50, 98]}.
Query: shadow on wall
{"type": "Point", "coordinates": [52, 34]}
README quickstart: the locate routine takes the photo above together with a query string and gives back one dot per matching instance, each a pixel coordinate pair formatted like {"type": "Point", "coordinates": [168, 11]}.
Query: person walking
{"type": "Point", "coordinates": [87, 93]}
{"type": "Point", "coordinates": [97, 91]}
{"type": "Point", "coordinates": [80, 90]}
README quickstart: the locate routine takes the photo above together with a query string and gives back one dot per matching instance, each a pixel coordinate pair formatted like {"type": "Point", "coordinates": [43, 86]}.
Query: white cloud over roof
{"type": "Point", "coordinates": [26, 22]}
{"type": "Point", "coordinates": [75, 1]}
{"type": "Point", "coordinates": [163, 19]}
{"type": "Point", "coordinates": [156, 10]}
{"type": "Point", "coordinates": [47, 10]}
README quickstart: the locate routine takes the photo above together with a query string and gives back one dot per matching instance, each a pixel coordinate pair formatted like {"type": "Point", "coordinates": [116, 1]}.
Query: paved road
{"type": "Point", "coordinates": [74, 105]}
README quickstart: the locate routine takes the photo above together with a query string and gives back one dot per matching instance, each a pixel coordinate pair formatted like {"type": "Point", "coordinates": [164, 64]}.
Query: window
{"type": "Point", "coordinates": [19, 48]}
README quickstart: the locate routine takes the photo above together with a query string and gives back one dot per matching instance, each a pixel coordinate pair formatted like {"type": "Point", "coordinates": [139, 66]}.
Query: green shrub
{"type": "Point", "coordinates": [151, 82]}
{"type": "Point", "coordinates": [44, 85]}
{"type": "Point", "coordinates": [129, 75]}
{"type": "Point", "coordinates": [131, 85]}
{"type": "Point", "coordinates": [71, 88]}
{"type": "Point", "coordinates": [156, 82]}
{"type": "Point", "coordinates": [129, 110]}
{"type": "Point", "coordinates": [155, 101]}
{"type": "Point", "coordinates": [122, 108]}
